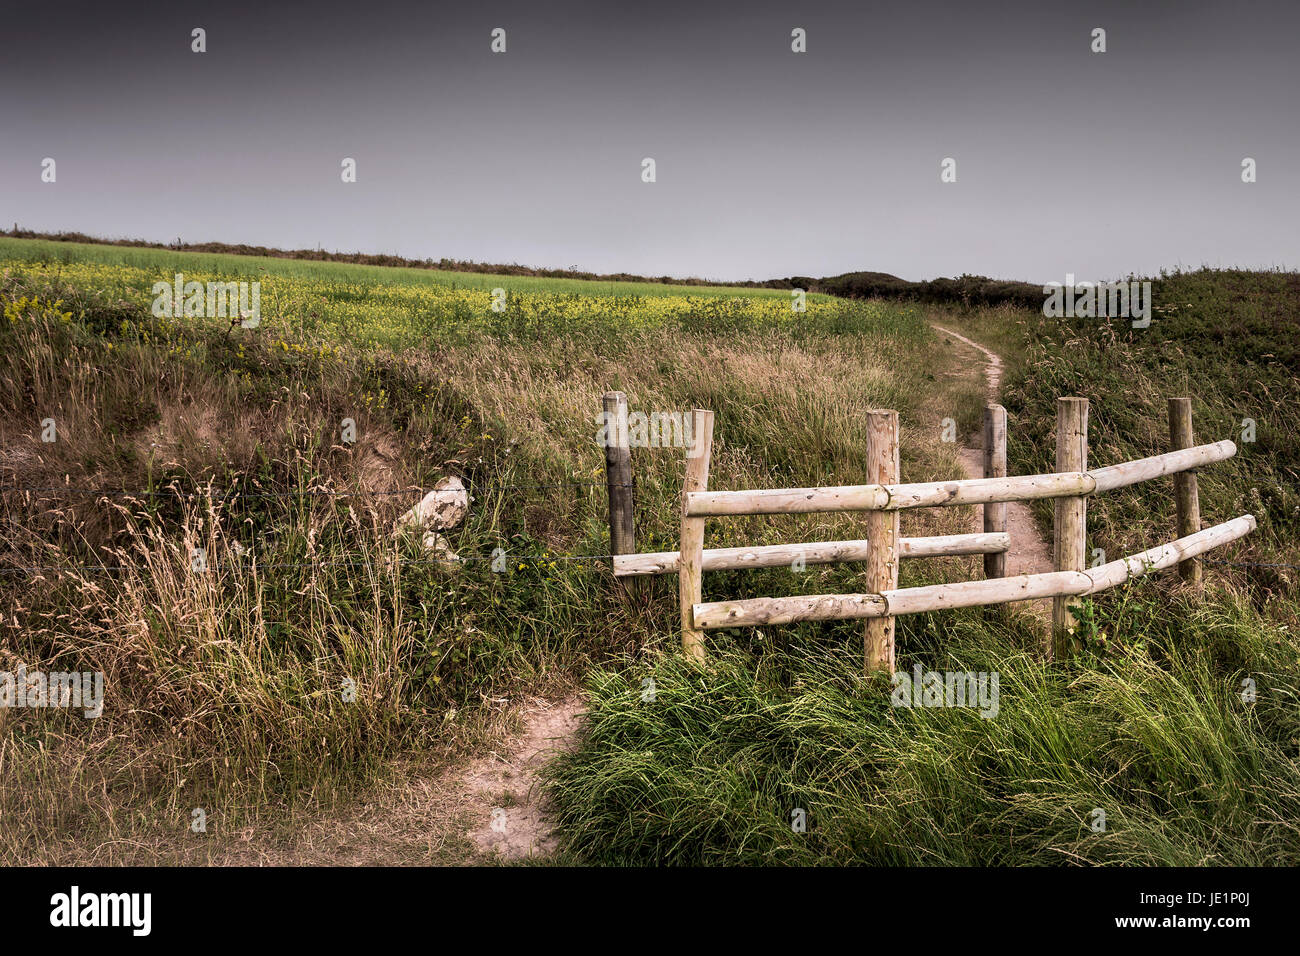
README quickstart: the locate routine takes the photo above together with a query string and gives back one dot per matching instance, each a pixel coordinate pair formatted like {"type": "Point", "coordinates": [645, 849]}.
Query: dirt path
{"type": "Point", "coordinates": [1030, 553]}
{"type": "Point", "coordinates": [485, 810]}
{"type": "Point", "coordinates": [502, 788]}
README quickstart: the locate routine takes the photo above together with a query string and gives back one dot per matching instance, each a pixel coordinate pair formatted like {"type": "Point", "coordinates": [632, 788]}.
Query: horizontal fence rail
{"type": "Point", "coordinates": [822, 552]}
{"type": "Point", "coordinates": [1170, 463]}
{"type": "Point", "coordinates": [966, 491]}
{"type": "Point", "coordinates": [937, 597]}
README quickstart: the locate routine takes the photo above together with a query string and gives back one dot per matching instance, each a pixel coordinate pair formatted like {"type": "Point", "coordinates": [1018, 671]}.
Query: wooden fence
{"type": "Point", "coordinates": [884, 497]}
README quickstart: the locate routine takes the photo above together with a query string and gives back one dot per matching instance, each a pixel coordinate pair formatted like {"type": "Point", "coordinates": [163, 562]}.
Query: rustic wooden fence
{"type": "Point", "coordinates": [884, 497]}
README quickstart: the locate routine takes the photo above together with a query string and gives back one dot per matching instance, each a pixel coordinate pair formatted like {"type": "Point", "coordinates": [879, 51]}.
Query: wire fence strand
{"type": "Point", "coordinates": [539, 559]}
{"type": "Point", "coordinates": [511, 560]}
{"type": "Point", "coordinates": [320, 492]}
{"type": "Point", "coordinates": [224, 495]}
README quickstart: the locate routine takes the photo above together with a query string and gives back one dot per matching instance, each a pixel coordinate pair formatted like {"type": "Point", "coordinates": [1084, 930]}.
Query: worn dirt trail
{"type": "Point", "coordinates": [502, 790]}
{"type": "Point", "coordinates": [484, 810]}
{"type": "Point", "coordinates": [1030, 552]}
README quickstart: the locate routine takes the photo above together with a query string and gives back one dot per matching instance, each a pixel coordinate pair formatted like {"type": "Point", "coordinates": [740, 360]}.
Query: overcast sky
{"type": "Point", "coordinates": [769, 163]}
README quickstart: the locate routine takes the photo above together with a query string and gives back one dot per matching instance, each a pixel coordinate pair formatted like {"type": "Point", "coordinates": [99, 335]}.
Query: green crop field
{"type": "Point", "coordinates": [48, 252]}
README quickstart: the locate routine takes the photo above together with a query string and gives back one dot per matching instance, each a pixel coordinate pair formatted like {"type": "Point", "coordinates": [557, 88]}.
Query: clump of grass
{"type": "Point", "coordinates": [1153, 731]}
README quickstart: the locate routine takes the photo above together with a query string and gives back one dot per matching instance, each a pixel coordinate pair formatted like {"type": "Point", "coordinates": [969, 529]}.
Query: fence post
{"type": "Point", "coordinates": [618, 475]}
{"type": "Point", "coordinates": [1069, 525]}
{"type": "Point", "coordinates": [1186, 494]}
{"type": "Point", "coordinates": [882, 533]}
{"type": "Point", "coordinates": [995, 466]}
{"type": "Point", "coordinates": [690, 572]}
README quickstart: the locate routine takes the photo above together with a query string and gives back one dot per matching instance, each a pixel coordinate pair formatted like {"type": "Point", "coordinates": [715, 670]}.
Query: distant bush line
{"type": "Point", "coordinates": [968, 290]}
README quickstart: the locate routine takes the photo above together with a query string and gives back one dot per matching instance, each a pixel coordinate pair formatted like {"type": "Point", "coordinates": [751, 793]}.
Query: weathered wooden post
{"type": "Point", "coordinates": [618, 475]}
{"type": "Point", "coordinates": [882, 533]}
{"type": "Point", "coordinates": [1069, 527]}
{"type": "Point", "coordinates": [1186, 493]}
{"type": "Point", "coordinates": [690, 573]}
{"type": "Point", "coordinates": [995, 466]}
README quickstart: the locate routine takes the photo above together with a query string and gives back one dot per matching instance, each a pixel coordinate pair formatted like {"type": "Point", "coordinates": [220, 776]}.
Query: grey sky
{"type": "Point", "coordinates": [769, 163]}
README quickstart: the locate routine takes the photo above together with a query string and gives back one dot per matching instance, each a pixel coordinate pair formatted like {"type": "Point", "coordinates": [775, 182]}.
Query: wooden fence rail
{"type": "Point", "coordinates": [881, 550]}
{"type": "Point", "coordinates": [939, 597]}
{"type": "Point", "coordinates": [965, 491]}
{"type": "Point", "coordinates": [821, 552]}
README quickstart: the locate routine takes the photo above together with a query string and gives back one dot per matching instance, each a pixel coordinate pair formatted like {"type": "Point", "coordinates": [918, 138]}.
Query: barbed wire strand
{"type": "Point", "coordinates": [467, 559]}
{"type": "Point", "coordinates": [107, 493]}
{"type": "Point", "coordinates": [444, 562]}
{"type": "Point", "coordinates": [119, 493]}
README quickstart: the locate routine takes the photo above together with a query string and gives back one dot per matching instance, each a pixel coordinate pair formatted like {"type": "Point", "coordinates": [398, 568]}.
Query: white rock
{"type": "Point", "coordinates": [442, 508]}
{"type": "Point", "coordinates": [441, 549]}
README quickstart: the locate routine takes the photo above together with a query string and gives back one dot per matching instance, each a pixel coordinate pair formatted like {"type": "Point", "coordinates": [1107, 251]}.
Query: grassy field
{"type": "Point", "coordinates": [369, 278]}
{"type": "Point", "coordinates": [226, 689]}
{"type": "Point", "coordinates": [1227, 339]}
